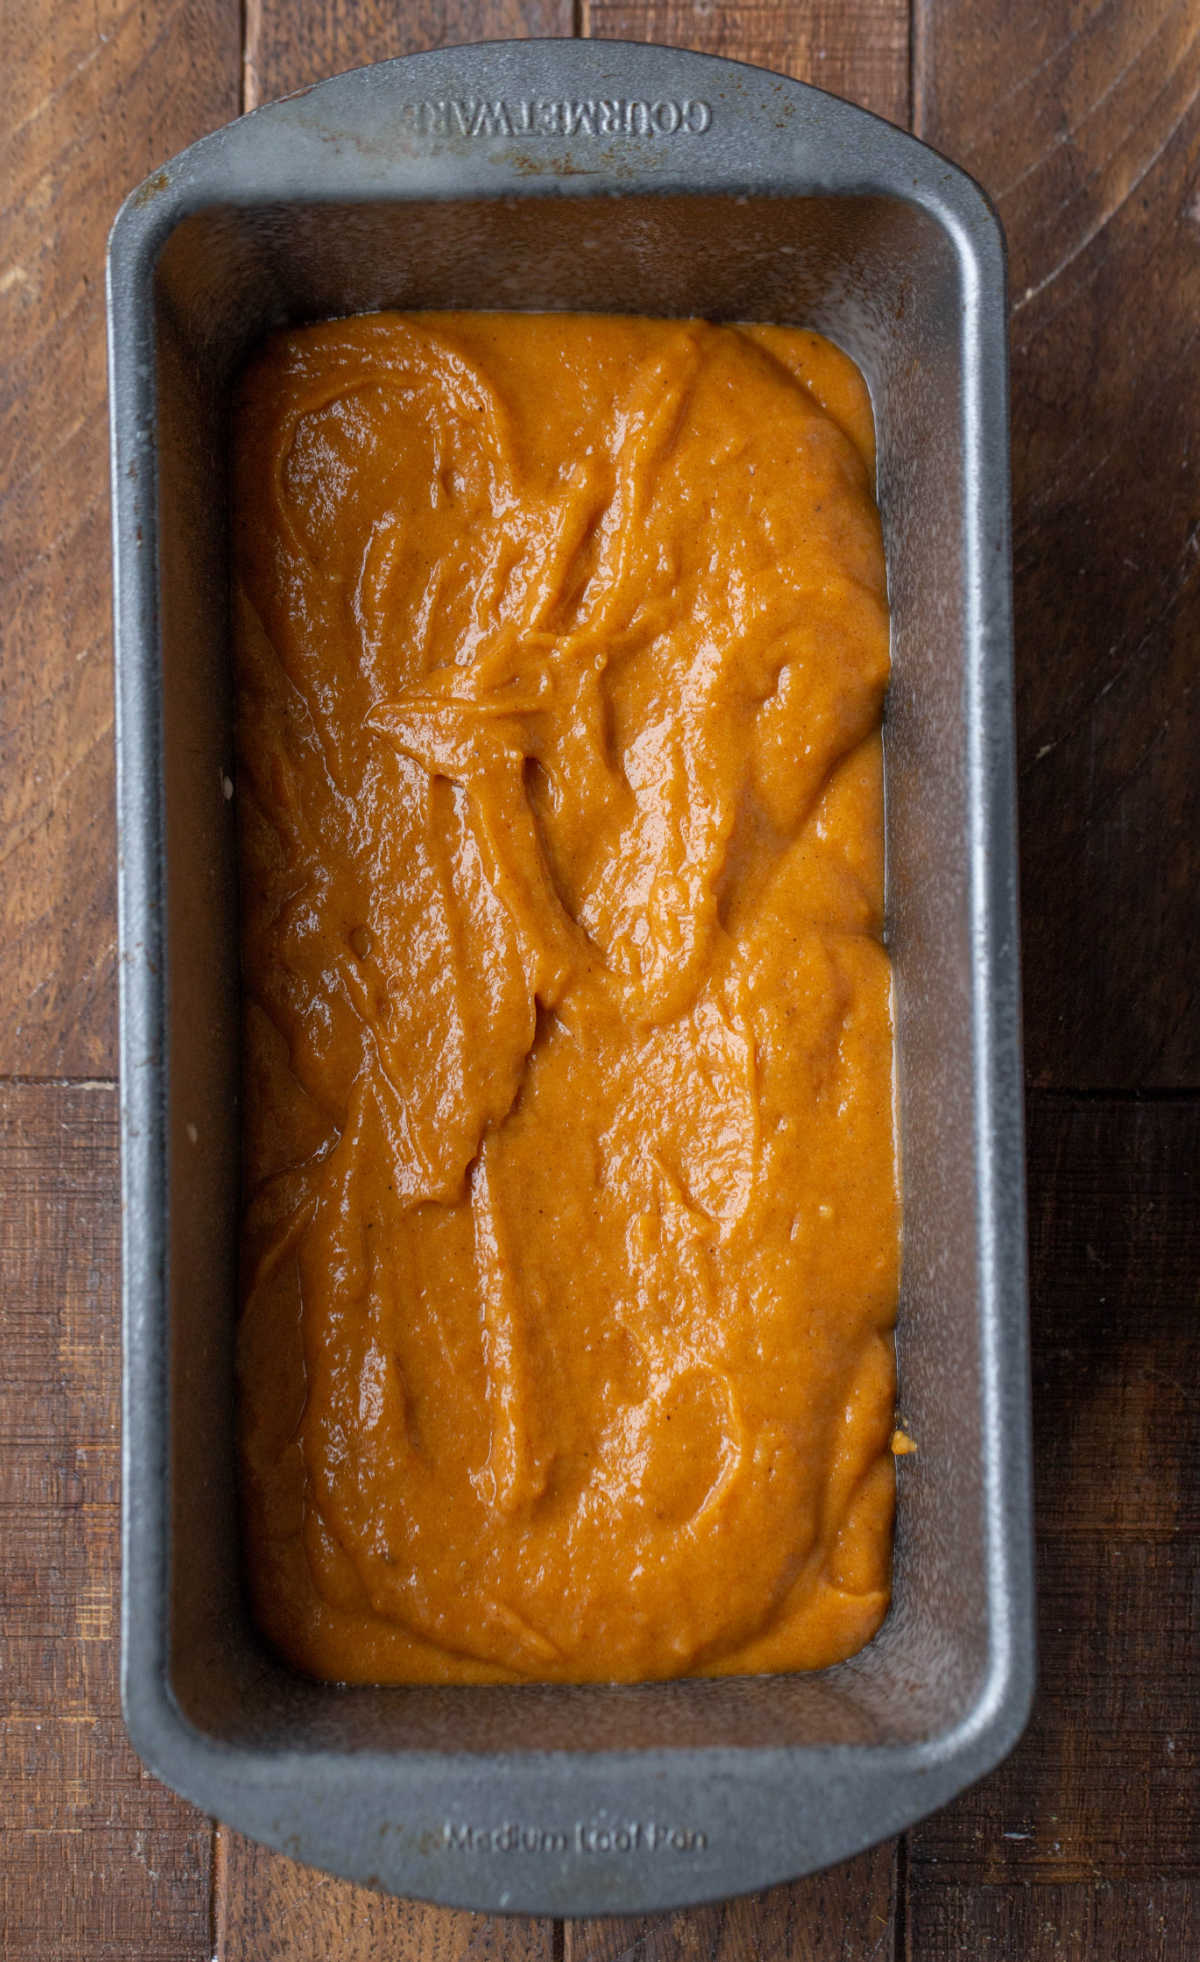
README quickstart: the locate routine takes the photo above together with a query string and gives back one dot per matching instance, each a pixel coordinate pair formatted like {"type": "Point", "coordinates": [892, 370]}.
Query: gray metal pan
{"type": "Point", "coordinates": [582, 176]}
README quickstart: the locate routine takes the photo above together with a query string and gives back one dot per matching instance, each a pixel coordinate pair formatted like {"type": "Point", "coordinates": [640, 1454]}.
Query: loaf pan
{"type": "Point", "coordinates": [582, 176]}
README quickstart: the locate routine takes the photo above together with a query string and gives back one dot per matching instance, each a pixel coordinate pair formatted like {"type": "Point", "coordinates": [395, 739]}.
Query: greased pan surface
{"type": "Point", "coordinates": [577, 176]}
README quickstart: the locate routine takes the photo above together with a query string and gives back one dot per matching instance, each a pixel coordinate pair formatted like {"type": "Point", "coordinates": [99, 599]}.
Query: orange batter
{"type": "Point", "coordinates": [571, 1234]}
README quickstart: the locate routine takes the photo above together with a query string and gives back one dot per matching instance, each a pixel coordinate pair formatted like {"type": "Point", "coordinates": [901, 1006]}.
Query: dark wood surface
{"type": "Point", "coordinates": [99, 1860]}
{"type": "Point", "coordinates": [93, 93]}
{"type": "Point", "coordinates": [1084, 124]}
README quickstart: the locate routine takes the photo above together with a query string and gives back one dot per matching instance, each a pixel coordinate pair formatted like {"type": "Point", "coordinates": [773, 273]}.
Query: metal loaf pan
{"type": "Point", "coordinates": [575, 175]}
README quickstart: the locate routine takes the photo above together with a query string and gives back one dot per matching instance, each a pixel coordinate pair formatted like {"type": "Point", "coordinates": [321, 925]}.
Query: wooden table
{"type": "Point", "coordinates": [1084, 124]}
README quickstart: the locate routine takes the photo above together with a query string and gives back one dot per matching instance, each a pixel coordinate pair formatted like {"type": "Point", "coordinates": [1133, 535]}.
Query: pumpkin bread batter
{"type": "Point", "coordinates": [571, 1232]}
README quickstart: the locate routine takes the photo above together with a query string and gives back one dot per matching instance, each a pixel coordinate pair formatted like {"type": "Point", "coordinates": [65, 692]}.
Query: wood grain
{"type": "Point", "coordinates": [93, 93]}
{"type": "Point", "coordinates": [1085, 127]}
{"type": "Point", "coordinates": [288, 46]}
{"type": "Point", "coordinates": [1103, 1922]}
{"type": "Point", "coordinates": [848, 1912]}
{"type": "Point", "coordinates": [856, 48]}
{"type": "Point", "coordinates": [1092, 1827]}
{"type": "Point", "coordinates": [275, 1911]}
{"type": "Point", "coordinates": [100, 1862]}
{"type": "Point", "coordinates": [1114, 1189]}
